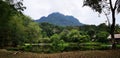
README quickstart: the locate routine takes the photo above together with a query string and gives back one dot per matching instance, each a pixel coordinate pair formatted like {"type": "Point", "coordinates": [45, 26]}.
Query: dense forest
{"type": "Point", "coordinates": [21, 32]}
{"type": "Point", "coordinates": [78, 34]}
{"type": "Point", "coordinates": [15, 27]}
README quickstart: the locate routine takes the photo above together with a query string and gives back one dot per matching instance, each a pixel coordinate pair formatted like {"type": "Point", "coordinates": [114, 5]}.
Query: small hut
{"type": "Point", "coordinates": [117, 38]}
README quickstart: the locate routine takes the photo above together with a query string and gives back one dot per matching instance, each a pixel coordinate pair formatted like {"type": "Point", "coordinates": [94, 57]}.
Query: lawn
{"type": "Point", "coordinates": [73, 54]}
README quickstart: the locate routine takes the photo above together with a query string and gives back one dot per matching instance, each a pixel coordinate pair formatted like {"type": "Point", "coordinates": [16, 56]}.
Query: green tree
{"type": "Point", "coordinates": [33, 32]}
{"type": "Point", "coordinates": [103, 27]}
{"type": "Point", "coordinates": [74, 36]}
{"type": "Point", "coordinates": [84, 38]}
{"type": "Point", "coordinates": [63, 35]}
{"type": "Point", "coordinates": [45, 40]}
{"type": "Point", "coordinates": [15, 4]}
{"type": "Point", "coordinates": [91, 33]}
{"type": "Point", "coordinates": [55, 42]}
{"type": "Point", "coordinates": [49, 29]}
{"type": "Point", "coordinates": [16, 28]}
{"type": "Point", "coordinates": [117, 29]}
{"type": "Point", "coordinates": [105, 5]}
{"type": "Point", "coordinates": [102, 37]}
{"type": "Point", "coordinates": [7, 10]}
{"type": "Point", "coordinates": [22, 29]}
{"type": "Point", "coordinates": [55, 38]}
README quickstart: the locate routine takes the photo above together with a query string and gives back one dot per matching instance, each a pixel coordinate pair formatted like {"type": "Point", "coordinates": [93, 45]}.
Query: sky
{"type": "Point", "coordinates": [39, 8]}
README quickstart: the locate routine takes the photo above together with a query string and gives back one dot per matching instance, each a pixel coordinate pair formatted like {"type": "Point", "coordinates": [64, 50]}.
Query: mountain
{"type": "Point", "coordinates": [60, 20]}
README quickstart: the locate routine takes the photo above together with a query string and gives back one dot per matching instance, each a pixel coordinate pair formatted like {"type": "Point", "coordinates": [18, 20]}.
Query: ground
{"type": "Point", "coordinates": [73, 54]}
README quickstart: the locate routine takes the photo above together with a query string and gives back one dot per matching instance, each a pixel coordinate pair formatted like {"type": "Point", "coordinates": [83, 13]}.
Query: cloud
{"type": "Point", "coordinates": [39, 8]}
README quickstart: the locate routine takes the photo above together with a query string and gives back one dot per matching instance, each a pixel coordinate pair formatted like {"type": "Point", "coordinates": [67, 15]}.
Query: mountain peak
{"type": "Point", "coordinates": [55, 13]}
{"type": "Point", "coordinates": [59, 19]}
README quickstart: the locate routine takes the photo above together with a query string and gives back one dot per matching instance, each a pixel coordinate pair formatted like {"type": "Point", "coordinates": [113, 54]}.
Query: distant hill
{"type": "Point", "coordinates": [60, 20]}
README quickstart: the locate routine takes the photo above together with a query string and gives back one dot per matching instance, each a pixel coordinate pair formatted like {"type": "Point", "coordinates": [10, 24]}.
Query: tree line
{"type": "Point", "coordinates": [77, 34]}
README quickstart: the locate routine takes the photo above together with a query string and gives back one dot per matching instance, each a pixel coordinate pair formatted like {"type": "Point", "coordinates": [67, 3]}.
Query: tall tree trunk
{"type": "Point", "coordinates": [113, 23]}
{"type": "Point", "coordinates": [113, 29]}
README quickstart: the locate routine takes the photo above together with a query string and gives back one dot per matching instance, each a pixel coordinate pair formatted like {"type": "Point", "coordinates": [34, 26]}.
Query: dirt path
{"type": "Point", "coordinates": [74, 54]}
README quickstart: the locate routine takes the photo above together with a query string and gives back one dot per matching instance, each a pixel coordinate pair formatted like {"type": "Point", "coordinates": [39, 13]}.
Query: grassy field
{"type": "Point", "coordinates": [72, 54]}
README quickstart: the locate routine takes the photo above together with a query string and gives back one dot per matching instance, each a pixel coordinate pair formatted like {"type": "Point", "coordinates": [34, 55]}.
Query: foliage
{"type": "Point", "coordinates": [49, 29]}
{"type": "Point", "coordinates": [103, 27]}
{"type": "Point", "coordinates": [74, 36]}
{"type": "Point", "coordinates": [106, 6]}
{"type": "Point", "coordinates": [63, 35]}
{"type": "Point", "coordinates": [15, 4]}
{"type": "Point", "coordinates": [16, 28]}
{"type": "Point", "coordinates": [117, 29]}
{"type": "Point", "coordinates": [102, 37]}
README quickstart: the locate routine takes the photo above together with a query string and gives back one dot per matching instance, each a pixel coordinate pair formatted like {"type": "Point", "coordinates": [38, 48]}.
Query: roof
{"type": "Point", "coordinates": [116, 36]}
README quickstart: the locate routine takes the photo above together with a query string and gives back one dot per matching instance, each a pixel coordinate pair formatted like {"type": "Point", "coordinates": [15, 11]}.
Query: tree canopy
{"type": "Point", "coordinates": [16, 28]}
{"type": "Point", "coordinates": [107, 6]}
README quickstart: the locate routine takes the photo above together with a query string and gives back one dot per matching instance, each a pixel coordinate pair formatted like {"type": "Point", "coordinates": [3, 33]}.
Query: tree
{"type": "Point", "coordinates": [13, 25]}
{"type": "Point", "coordinates": [84, 38]}
{"type": "Point", "coordinates": [63, 35]}
{"type": "Point", "coordinates": [103, 27]}
{"type": "Point", "coordinates": [6, 11]}
{"type": "Point", "coordinates": [117, 29]}
{"type": "Point", "coordinates": [106, 5]}
{"type": "Point", "coordinates": [49, 29]}
{"type": "Point", "coordinates": [16, 28]}
{"type": "Point", "coordinates": [15, 4]}
{"type": "Point", "coordinates": [74, 36]}
{"type": "Point", "coordinates": [55, 38]}
{"type": "Point", "coordinates": [21, 30]}
{"type": "Point", "coordinates": [102, 36]}
{"type": "Point", "coordinates": [33, 32]}
{"type": "Point", "coordinates": [55, 42]}
{"type": "Point", "coordinates": [91, 33]}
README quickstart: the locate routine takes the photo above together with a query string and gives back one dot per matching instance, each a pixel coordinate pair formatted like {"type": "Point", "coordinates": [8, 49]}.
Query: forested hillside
{"type": "Point", "coordinates": [60, 20]}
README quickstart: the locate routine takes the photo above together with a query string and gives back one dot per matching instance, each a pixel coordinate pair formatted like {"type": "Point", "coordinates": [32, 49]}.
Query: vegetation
{"type": "Point", "coordinates": [16, 28]}
{"type": "Point", "coordinates": [20, 32]}
{"type": "Point", "coordinates": [57, 38]}
{"type": "Point", "coordinates": [107, 7]}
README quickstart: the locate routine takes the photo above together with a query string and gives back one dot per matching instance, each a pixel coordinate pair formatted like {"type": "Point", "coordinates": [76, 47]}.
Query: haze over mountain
{"type": "Point", "coordinates": [60, 20]}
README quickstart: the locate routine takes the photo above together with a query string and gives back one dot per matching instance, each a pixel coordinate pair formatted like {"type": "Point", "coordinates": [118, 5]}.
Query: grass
{"type": "Point", "coordinates": [73, 54]}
